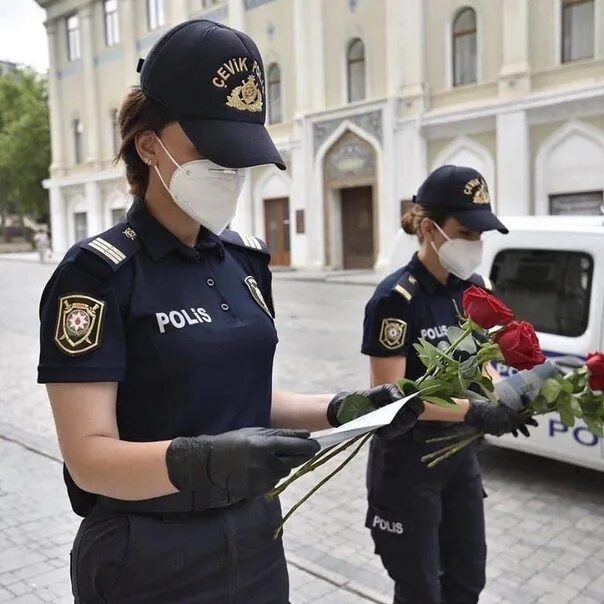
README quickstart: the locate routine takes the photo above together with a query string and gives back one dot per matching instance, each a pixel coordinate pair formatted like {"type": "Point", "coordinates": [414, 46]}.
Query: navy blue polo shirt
{"type": "Point", "coordinates": [410, 304]}
{"type": "Point", "coordinates": [187, 332]}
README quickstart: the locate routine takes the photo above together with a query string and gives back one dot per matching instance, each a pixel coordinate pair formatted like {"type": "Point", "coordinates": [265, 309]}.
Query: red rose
{"type": "Point", "coordinates": [520, 346]}
{"type": "Point", "coordinates": [595, 366]}
{"type": "Point", "coordinates": [484, 309]}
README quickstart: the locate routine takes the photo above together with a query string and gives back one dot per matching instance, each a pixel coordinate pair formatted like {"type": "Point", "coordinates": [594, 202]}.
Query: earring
{"type": "Point", "coordinates": [147, 160]}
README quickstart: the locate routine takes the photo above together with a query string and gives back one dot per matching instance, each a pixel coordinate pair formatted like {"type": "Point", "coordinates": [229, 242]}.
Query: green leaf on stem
{"type": "Point", "coordinates": [539, 405]}
{"type": "Point", "coordinates": [447, 403]}
{"type": "Point", "coordinates": [353, 406]}
{"type": "Point", "coordinates": [462, 339]}
{"type": "Point", "coordinates": [550, 390]}
{"type": "Point", "coordinates": [576, 407]}
{"type": "Point", "coordinates": [595, 426]}
{"type": "Point", "coordinates": [565, 410]}
{"type": "Point", "coordinates": [407, 386]}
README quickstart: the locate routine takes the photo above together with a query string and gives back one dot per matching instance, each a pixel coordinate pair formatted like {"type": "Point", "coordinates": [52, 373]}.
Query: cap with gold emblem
{"type": "Point", "coordinates": [211, 78]}
{"type": "Point", "coordinates": [462, 193]}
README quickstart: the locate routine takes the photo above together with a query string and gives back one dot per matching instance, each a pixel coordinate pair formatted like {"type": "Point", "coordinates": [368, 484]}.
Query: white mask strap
{"type": "Point", "coordinates": [441, 231]}
{"type": "Point", "coordinates": [167, 152]}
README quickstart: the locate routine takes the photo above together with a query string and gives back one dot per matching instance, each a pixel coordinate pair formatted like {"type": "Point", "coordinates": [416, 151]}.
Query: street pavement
{"type": "Point", "coordinates": [545, 519]}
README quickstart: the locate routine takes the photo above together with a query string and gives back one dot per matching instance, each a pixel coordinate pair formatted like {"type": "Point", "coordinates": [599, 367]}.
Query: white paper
{"type": "Point", "coordinates": [361, 425]}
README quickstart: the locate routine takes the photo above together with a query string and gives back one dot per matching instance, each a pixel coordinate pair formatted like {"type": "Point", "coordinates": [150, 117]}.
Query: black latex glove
{"type": "Point", "coordinates": [381, 396]}
{"type": "Point", "coordinates": [237, 465]}
{"type": "Point", "coordinates": [497, 419]}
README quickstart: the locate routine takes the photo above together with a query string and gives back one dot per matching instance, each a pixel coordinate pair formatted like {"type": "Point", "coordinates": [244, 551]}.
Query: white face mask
{"type": "Point", "coordinates": [205, 191]}
{"type": "Point", "coordinates": [459, 256]}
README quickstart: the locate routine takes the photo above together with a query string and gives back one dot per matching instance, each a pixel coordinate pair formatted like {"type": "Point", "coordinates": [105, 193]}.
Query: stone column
{"type": "Point", "coordinates": [94, 208]}
{"type": "Point", "coordinates": [54, 102]}
{"type": "Point", "coordinates": [513, 164]}
{"type": "Point", "coordinates": [236, 15]}
{"type": "Point", "coordinates": [514, 76]}
{"type": "Point", "coordinates": [58, 221]}
{"type": "Point", "coordinates": [91, 115]}
{"type": "Point", "coordinates": [129, 37]}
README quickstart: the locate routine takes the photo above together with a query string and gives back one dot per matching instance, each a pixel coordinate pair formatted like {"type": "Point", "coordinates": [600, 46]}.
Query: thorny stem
{"type": "Point", "coordinates": [450, 451]}
{"type": "Point", "coordinates": [365, 438]}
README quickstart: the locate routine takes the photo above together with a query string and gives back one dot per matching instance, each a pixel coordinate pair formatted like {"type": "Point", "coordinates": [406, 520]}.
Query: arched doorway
{"type": "Point", "coordinates": [350, 181]}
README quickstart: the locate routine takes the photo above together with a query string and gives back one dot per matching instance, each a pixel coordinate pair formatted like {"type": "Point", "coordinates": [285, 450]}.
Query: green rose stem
{"type": "Point", "coordinates": [449, 451]}
{"type": "Point", "coordinates": [466, 332]}
{"type": "Point", "coordinates": [318, 460]}
{"type": "Point", "coordinates": [365, 438]}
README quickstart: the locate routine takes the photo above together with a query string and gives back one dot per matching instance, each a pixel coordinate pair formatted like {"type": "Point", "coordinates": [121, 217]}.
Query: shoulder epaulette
{"type": "Point", "coordinates": [480, 281]}
{"type": "Point", "coordinates": [406, 286]}
{"type": "Point", "coordinates": [246, 241]}
{"type": "Point", "coordinates": [115, 246]}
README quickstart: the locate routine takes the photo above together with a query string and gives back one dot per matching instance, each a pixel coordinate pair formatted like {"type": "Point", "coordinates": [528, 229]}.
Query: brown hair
{"type": "Point", "coordinates": [413, 217]}
{"type": "Point", "coordinates": [137, 114]}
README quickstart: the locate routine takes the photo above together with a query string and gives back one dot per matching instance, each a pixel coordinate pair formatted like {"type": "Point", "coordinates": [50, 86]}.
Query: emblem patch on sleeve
{"type": "Point", "coordinates": [79, 324]}
{"type": "Point", "coordinates": [392, 333]}
{"type": "Point", "coordinates": [257, 294]}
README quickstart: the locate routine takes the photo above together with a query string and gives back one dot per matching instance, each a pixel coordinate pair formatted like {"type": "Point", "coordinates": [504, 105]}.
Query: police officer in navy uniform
{"type": "Point", "coordinates": [428, 524]}
{"type": "Point", "coordinates": [157, 344]}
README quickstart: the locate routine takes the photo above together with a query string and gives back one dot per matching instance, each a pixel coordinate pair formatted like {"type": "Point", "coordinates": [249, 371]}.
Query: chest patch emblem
{"type": "Point", "coordinates": [392, 333]}
{"type": "Point", "coordinates": [252, 285]}
{"type": "Point", "coordinates": [79, 324]}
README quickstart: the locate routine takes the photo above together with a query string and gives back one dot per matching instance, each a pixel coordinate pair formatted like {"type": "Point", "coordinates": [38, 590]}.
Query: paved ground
{"type": "Point", "coordinates": [545, 519]}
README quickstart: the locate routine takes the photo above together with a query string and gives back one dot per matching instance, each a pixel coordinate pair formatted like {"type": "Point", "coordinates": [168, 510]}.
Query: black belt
{"type": "Point", "coordinates": [178, 502]}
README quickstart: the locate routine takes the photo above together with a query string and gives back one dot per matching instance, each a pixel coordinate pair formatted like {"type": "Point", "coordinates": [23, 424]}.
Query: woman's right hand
{"type": "Point", "coordinates": [239, 464]}
{"type": "Point", "coordinates": [497, 419]}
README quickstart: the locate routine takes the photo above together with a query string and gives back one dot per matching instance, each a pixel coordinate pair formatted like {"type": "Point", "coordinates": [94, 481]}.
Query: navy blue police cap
{"type": "Point", "coordinates": [462, 193]}
{"type": "Point", "coordinates": [211, 78]}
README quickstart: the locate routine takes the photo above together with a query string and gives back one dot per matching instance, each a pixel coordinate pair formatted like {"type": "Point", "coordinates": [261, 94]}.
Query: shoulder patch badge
{"type": "Point", "coordinates": [392, 333]}
{"type": "Point", "coordinates": [79, 324]}
{"type": "Point", "coordinates": [252, 285]}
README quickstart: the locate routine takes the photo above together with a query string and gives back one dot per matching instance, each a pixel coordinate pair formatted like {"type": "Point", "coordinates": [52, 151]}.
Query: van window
{"type": "Point", "coordinates": [549, 288]}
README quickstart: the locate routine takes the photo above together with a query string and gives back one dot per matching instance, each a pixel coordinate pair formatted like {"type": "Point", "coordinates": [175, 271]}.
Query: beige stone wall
{"type": "Point", "coordinates": [276, 49]}
{"type": "Point", "coordinates": [486, 139]}
{"type": "Point", "coordinates": [439, 22]}
{"type": "Point", "coordinates": [340, 26]}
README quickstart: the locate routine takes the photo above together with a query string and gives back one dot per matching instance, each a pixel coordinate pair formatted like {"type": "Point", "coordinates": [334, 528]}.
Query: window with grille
{"type": "Point", "coordinates": [577, 30]}
{"type": "Point", "coordinates": [78, 140]}
{"type": "Point", "coordinates": [587, 203]}
{"type": "Point", "coordinates": [112, 24]}
{"type": "Point", "coordinates": [356, 71]}
{"type": "Point", "coordinates": [274, 94]}
{"type": "Point", "coordinates": [465, 59]}
{"type": "Point", "coordinates": [73, 38]}
{"type": "Point", "coordinates": [80, 223]}
{"type": "Point", "coordinates": [156, 16]}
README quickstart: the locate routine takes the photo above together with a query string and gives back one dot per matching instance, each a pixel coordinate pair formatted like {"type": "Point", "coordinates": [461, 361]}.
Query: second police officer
{"type": "Point", "coordinates": [428, 524]}
{"type": "Point", "coordinates": [157, 343]}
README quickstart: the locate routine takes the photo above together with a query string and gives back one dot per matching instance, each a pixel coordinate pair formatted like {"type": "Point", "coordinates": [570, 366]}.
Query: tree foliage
{"type": "Point", "coordinates": [24, 143]}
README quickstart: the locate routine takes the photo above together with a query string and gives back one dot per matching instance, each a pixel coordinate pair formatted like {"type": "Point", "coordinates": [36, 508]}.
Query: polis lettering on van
{"type": "Point", "coordinates": [434, 333]}
{"type": "Point", "coordinates": [581, 434]}
{"type": "Point", "coordinates": [181, 318]}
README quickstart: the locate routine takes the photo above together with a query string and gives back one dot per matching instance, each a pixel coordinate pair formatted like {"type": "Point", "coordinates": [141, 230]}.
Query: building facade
{"type": "Point", "coordinates": [365, 97]}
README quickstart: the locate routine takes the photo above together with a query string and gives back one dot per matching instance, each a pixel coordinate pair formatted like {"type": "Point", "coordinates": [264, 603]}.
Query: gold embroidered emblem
{"type": "Point", "coordinates": [392, 333]}
{"type": "Point", "coordinates": [130, 233]}
{"type": "Point", "coordinates": [246, 97]}
{"type": "Point", "coordinates": [252, 285]}
{"type": "Point", "coordinates": [79, 324]}
{"type": "Point", "coordinates": [478, 190]}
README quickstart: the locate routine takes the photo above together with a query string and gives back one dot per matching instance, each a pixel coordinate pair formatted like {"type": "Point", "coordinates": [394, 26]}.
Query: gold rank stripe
{"type": "Point", "coordinates": [403, 292]}
{"type": "Point", "coordinates": [108, 250]}
{"type": "Point", "coordinates": [250, 241]}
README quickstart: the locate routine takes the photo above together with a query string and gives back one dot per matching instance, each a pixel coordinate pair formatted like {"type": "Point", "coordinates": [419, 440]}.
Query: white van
{"type": "Point", "coordinates": [550, 271]}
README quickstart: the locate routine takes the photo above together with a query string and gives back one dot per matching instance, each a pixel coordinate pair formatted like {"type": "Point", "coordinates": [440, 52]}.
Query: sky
{"type": "Point", "coordinates": [22, 33]}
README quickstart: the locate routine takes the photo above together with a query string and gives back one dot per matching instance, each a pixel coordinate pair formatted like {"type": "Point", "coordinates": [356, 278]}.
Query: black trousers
{"type": "Point", "coordinates": [427, 524]}
{"type": "Point", "coordinates": [222, 556]}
